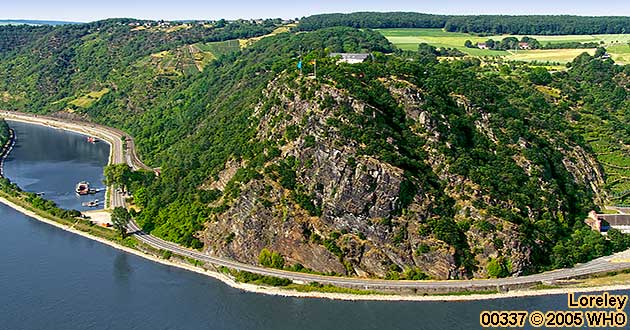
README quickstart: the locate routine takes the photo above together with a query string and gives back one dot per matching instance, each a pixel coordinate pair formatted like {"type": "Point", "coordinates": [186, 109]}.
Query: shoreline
{"type": "Point", "coordinates": [109, 138]}
{"type": "Point", "coordinates": [6, 150]}
{"type": "Point", "coordinates": [63, 127]}
{"type": "Point", "coordinates": [279, 291]}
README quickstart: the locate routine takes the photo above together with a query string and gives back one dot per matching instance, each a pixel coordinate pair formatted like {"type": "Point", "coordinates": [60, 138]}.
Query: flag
{"type": "Point", "coordinates": [299, 65]}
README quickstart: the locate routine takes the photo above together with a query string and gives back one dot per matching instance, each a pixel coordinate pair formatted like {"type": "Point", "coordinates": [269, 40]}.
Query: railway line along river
{"type": "Point", "coordinates": [53, 279]}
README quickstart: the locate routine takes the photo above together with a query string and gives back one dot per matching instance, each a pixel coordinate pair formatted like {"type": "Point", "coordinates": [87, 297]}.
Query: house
{"type": "Point", "coordinates": [602, 223]}
{"type": "Point", "coordinates": [351, 58]}
{"type": "Point", "coordinates": [482, 45]}
{"type": "Point", "coordinates": [524, 45]}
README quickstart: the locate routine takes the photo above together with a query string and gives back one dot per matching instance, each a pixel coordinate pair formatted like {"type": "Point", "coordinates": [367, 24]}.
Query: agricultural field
{"type": "Point", "coordinates": [612, 154]}
{"type": "Point", "coordinates": [547, 55]}
{"type": "Point", "coordinates": [281, 29]}
{"type": "Point", "coordinates": [191, 59]}
{"type": "Point", "coordinates": [408, 39]}
{"type": "Point", "coordinates": [89, 98]}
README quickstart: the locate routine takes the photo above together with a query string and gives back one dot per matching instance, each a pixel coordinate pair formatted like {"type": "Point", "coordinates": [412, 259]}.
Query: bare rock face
{"type": "Point", "coordinates": [586, 170]}
{"type": "Point", "coordinates": [323, 202]}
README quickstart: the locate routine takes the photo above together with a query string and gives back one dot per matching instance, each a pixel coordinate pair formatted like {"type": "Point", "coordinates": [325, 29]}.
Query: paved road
{"type": "Point", "coordinates": [596, 266]}
{"type": "Point", "coordinates": [605, 264]}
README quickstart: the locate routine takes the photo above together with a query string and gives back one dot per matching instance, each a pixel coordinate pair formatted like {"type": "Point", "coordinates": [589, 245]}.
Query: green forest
{"type": "Point", "coordinates": [482, 24]}
{"type": "Point", "coordinates": [481, 150]}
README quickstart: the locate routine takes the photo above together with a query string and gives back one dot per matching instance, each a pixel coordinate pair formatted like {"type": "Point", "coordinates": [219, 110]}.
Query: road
{"type": "Point", "coordinates": [615, 262]}
{"type": "Point", "coordinates": [596, 266]}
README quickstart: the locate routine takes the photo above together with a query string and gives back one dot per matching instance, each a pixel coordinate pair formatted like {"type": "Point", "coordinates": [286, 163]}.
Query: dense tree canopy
{"type": "Point", "coordinates": [484, 24]}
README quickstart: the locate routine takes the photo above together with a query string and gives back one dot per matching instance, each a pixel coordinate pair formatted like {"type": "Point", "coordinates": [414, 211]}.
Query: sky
{"type": "Point", "coordinates": [86, 10]}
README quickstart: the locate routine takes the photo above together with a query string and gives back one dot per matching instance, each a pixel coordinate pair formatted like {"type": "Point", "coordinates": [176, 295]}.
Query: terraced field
{"type": "Point", "coordinates": [191, 59]}
{"type": "Point", "coordinates": [613, 155]}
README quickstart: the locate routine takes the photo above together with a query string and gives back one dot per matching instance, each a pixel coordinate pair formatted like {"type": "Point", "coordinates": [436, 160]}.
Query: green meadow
{"type": "Point", "coordinates": [409, 39]}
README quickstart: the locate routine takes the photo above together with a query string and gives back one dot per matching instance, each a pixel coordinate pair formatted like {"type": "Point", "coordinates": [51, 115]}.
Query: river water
{"type": "Point", "coordinates": [52, 279]}
{"type": "Point", "coordinates": [50, 161]}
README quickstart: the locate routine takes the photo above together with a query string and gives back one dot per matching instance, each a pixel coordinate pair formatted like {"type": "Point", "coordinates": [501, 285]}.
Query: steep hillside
{"type": "Point", "coordinates": [399, 167]}
{"type": "Point", "coordinates": [374, 172]}
{"type": "Point", "coordinates": [597, 91]}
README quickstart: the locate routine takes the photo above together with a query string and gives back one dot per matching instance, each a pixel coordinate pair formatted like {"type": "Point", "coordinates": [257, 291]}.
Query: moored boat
{"type": "Point", "coordinates": [83, 188]}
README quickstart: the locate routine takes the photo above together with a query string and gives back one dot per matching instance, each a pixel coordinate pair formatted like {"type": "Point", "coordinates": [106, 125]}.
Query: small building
{"type": "Point", "coordinates": [351, 58]}
{"type": "Point", "coordinates": [602, 223]}
{"type": "Point", "coordinates": [524, 45]}
{"type": "Point", "coordinates": [482, 45]}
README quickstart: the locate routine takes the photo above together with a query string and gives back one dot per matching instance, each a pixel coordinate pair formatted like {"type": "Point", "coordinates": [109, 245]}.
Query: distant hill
{"type": "Point", "coordinates": [32, 22]}
{"type": "Point", "coordinates": [479, 24]}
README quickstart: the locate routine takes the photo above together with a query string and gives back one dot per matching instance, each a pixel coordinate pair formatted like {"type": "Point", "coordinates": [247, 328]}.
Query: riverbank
{"type": "Point", "coordinates": [6, 150]}
{"type": "Point", "coordinates": [278, 291]}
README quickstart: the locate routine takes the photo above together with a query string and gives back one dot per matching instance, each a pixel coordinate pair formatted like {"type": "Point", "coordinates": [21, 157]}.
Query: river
{"type": "Point", "coordinates": [50, 161]}
{"type": "Point", "coordinates": [53, 279]}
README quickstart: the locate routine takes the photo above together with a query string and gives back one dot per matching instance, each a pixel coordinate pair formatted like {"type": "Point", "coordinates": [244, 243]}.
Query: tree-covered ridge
{"type": "Point", "coordinates": [482, 24]}
{"type": "Point", "coordinates": [399, 167]}
{"type": "Point", "coordinates": [499, 134]}
{"type": "Point", "coordinates": [65, 62]}
{"type": "Point", "coordinates": [220, 105]}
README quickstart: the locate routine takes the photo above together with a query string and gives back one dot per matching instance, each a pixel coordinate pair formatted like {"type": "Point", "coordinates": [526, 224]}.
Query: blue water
{"type": "Point", "coordinates": [53, 162]}
{"type": "Point", "coordinates": [52, 279]}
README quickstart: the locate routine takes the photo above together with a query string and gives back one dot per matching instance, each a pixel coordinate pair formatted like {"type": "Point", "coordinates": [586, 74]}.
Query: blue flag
{"type": "Point", "coordinates": [299, 65]}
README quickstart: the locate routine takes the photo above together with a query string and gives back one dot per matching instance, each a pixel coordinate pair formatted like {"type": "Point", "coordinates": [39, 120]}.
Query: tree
{"type": "Point", "coordinates": [120, 220]}
{"type": "Point", "coordinates": [540, 76]}
{"type": "Point", "coordinates": [498, 268]}
{"type": "Point", "coordinates": [117, 175]}
{"type": "Point", "coordinates": [509, 43]}
{"type": "Point", "coordinates": [601, 51]}
{"type": "Point", "coordinates": [619, 240]}
{"type": "Point", "coordinates": [468, 44]}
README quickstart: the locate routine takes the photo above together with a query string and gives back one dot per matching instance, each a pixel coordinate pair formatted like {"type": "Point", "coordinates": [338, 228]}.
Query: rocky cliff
{"type": "Point", "coordinates": [326, 202]}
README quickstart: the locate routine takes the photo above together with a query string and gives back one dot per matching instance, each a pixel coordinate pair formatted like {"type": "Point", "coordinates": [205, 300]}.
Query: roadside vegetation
{"type": "Point", "coordinates": [69, 218]}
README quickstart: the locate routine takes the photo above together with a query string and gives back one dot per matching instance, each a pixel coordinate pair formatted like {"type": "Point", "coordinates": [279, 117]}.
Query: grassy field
{"type": "Point", "coordinates": [89, 98]}
{"type": "Point", "coordinates": [281, 29]}
{"type": "Point", "coordinates": [551, 55]}
{"type": "Point", "coordinates": [408, 39]}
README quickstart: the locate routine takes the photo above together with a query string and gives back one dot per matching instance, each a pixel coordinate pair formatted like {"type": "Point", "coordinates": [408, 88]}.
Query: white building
{"type": "Point", "coordinates": [351, 58]}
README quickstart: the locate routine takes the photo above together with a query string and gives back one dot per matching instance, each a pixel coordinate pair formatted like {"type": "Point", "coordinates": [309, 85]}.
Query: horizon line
{"type": "Point", "coordinates": [293, 17]}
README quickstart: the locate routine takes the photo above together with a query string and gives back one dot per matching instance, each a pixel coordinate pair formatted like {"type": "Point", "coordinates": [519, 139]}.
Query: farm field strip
{"type": "Point", "coordinates": [408, 39]}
